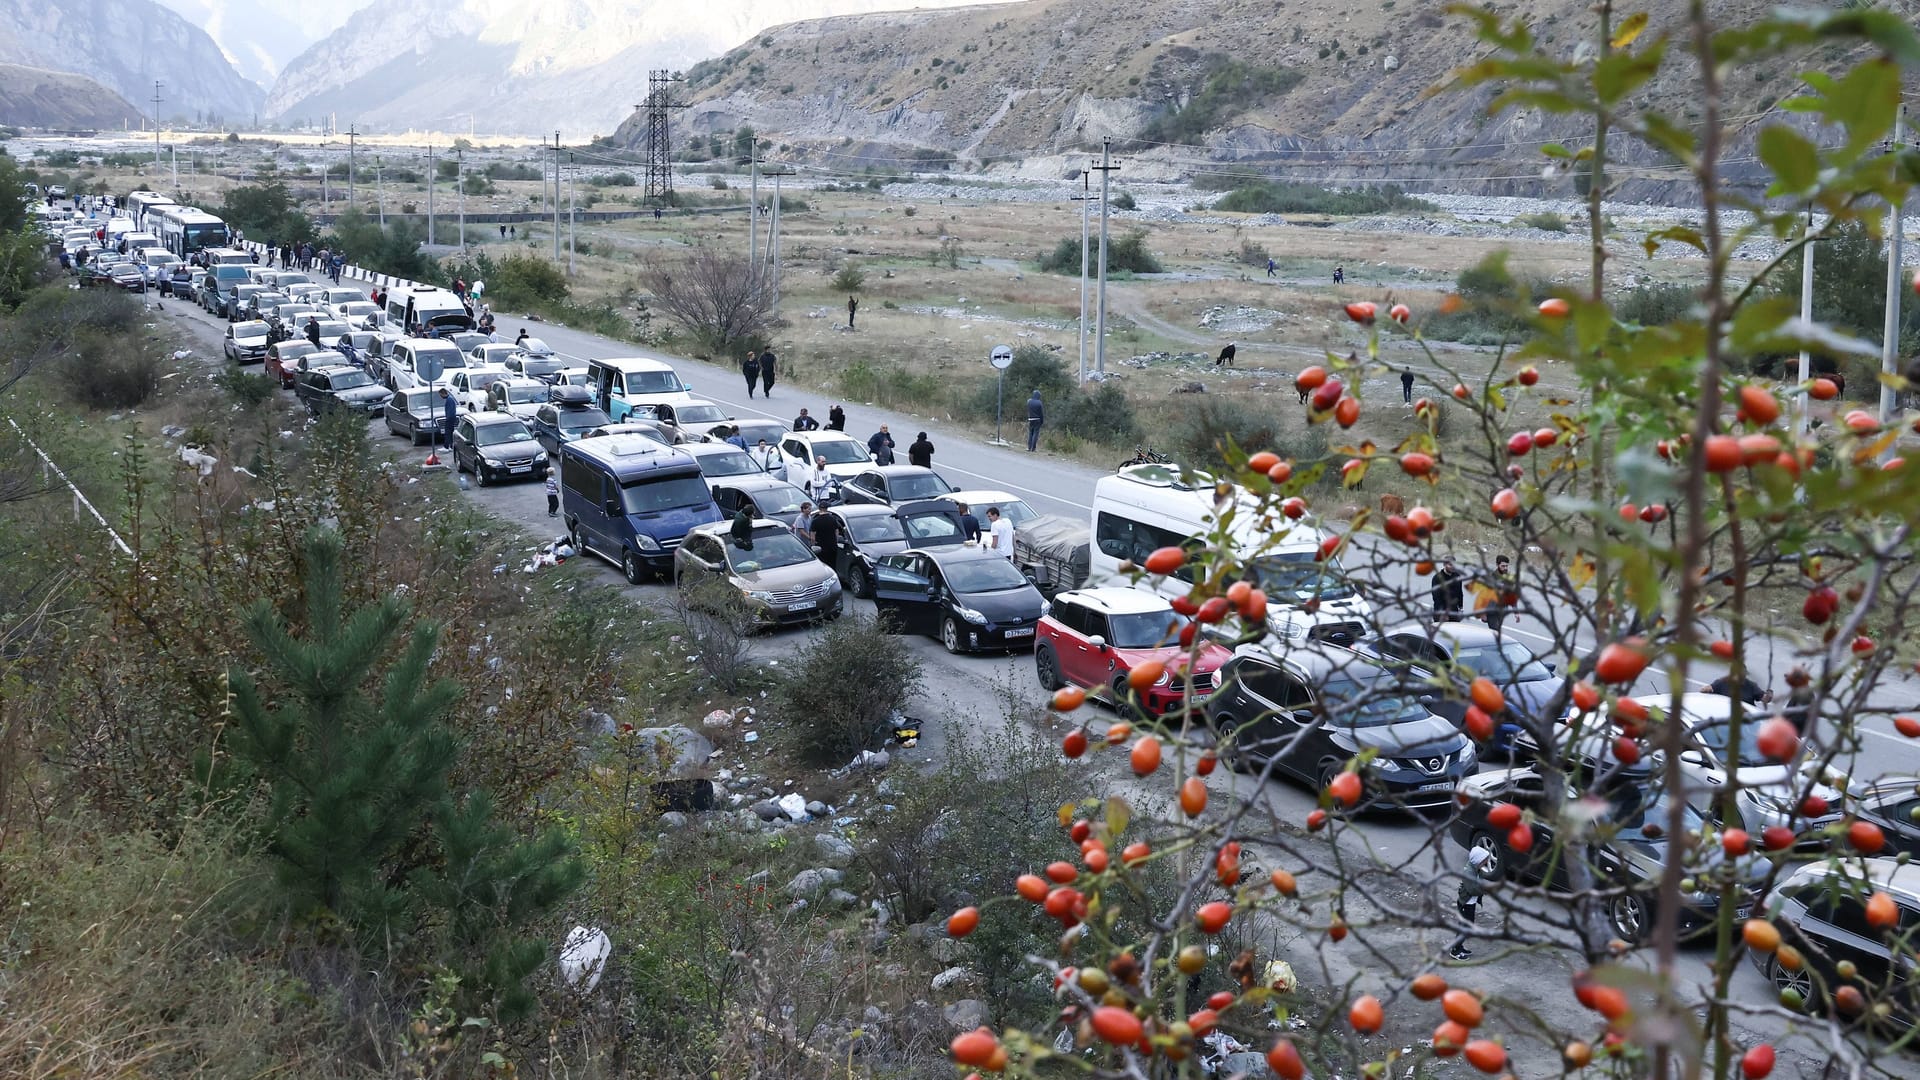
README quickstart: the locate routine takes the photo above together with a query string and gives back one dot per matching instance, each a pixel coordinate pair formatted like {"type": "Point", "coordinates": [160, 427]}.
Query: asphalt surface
{"type": "Point", "coordinates": [965, 692]}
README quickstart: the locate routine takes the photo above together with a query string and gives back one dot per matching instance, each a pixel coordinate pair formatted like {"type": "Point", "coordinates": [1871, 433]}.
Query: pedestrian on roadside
{"type": "Point", "coordinates": [1749, 691]}
{"type": "Point", "coordinates": [733, 437]}
{"type": "Point", "coordinates": [921, 452]}
{"type": "Point", "coordinates": [450, 414]}
{"type": "Point", "coordinates": [1799, 698]}
{"type": "Point", "coordinates": [1502, 586]}
{"type": "Point", "coordinates": [826, 537]}
{"type": "Point", "coordinates": [313, 331]}
{"type": "Point", "coordinates": [803, 422]}
{"type": "Point", "coordinates": [803, 525]}
{"type": "Point", "coordinates": [820, 483]}
{"type": "Point", "coordinates": [768, 458]}
{"type": "Point", "coordinates": [999, 533]}
{"type": "Point", "coordinates": [969, 525]}
{"type": "Point", "coordinates": [836, 419]}
{"type": "Point", "coordinates": [503, 232]}
{"type": "Point", "coordinates": [1036, 416]}
{"type": "Point", "coordinates": [768, 363]}
{"type": "Point", "coordinates": [880, 445]}
{"type": "Point", "coordinates": [1449, 592]}
{"type": "Point", "coordinates": [750, 367]}
{"type": "Point", "coordinates": [1467, 901]}
{"type": "Point", "coordinates": [553, 491]}
{"type": "Point", "coordinates": [853, 305]}
{"type": "Point", "coordinates": [1269, 267]}
{"type": "Point", "coordinates": [1226, 355]}
{"type": "Point", "coordinates": [1406, 385]}
{"type": "Point", "coordinates": [1339, 275]}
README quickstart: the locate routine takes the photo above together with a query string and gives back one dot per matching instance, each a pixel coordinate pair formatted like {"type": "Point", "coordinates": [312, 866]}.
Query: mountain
{"type": "Point", "coordinates": [1188, 89]}
{"type": "Point", "coordinates": [126, 45]}
{"type": "Point", "coordinates": [259, 37]}
{"type": "Point", "coordinates": [515, 66]}
{"type": "Point", "coordinates": [36, 97]}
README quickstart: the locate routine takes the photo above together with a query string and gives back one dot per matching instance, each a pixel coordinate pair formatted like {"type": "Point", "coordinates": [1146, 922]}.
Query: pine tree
{"type": "Point", "coordinates": [356, 787]}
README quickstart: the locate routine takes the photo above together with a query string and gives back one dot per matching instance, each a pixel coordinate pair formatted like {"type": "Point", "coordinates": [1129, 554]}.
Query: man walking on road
{"type": "Point", "coordinates": [880, 445]}
{"type": "Point", "coordinates": [1000, 532]}
{"type": "Point", "coordinates": [921, 452]}
{"type": "Point", "coordinates": [767, 362]}
{"type": "Point", "coordinates": [750, 367]}
{"type": "Point", "coordinates": [853, 305]}
{"type": "Point", "coordinates": [803, 422]}
{"type": "Point", "coordinates": [1406, 385]}
{"type": "Point", "coordinates": [1036, 416]}
{"type": "Point", "coordinates": [1449, 591]}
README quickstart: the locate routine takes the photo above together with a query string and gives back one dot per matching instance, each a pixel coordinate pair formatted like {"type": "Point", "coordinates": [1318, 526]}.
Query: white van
{"type": "Point", "coordinates": [623, 383]}
{"type": "Point", "coordinates": [426, 311]}
{"type": "Point", "coordinates": [1146, 507]}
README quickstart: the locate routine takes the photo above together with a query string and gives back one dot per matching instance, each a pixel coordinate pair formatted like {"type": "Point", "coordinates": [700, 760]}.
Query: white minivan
{"type": "Point", "coordinates": [1143, 508]}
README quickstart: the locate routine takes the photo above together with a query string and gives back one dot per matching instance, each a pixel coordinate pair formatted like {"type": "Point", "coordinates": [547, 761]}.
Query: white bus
{"type": "Point", "coordinates": [184, 230]}
{"type": "Point", "coordinates": [139, 203]}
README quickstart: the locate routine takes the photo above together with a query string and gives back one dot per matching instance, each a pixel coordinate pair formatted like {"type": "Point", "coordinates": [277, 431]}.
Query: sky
{"type": "Point", "coordinates": [261, 36]}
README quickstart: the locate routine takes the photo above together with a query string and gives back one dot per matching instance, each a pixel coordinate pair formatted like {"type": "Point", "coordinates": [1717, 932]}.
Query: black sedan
{"type": "Point", "coordinates": [889, 485]}
{"type": "Point", "coordinates": [967, 597]}
{"type": "Point", "coordinates": [866, 533]}
{"type": "Point", "coordinates": [1631, 810]}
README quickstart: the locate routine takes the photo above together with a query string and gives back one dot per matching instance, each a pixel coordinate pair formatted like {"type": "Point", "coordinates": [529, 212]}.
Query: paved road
{"type": "Point", "coordinates": [963, 692]}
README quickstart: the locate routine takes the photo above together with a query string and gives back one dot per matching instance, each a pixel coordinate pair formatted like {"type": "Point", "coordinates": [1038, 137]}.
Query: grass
{"type": "Point", "coordinates": [1286, 197]}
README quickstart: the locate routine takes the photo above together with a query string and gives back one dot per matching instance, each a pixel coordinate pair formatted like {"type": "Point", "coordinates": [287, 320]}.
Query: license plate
{"type": "Point", "coordinates": [1020, 631]}
{"type": "Point", "coordinates": [520, 468]}
{"type": "Point", "coordinates": [1742, 912]}
{"type": "Point", "coordinates": [1438, 785]}
{"type": "Point", "coordinates": [804, 605]}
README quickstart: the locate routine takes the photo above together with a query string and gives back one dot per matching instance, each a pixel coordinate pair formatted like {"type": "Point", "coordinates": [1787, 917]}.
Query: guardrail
{"type": "Point", "coordinates": [79, 497]}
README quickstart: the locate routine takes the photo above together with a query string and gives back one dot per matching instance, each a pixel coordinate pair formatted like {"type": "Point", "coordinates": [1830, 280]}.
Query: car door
{"type": "Point", "coordinates": [1064, 631]}
{"type": "Point", "coordinates": [463, 444]}
{"type": "Point", "coordinates": [905, 595]}
{"type": "Point", "coordinates": [729, 500]}
{"type": "Point", "coordinates": [795, 453]}
{"type": "Point", "coordinates": [703, 557]}
{"type": "Point", "coordinates": [1097, 662]}
{"type": "Point", "coordinates": [1273, 707]}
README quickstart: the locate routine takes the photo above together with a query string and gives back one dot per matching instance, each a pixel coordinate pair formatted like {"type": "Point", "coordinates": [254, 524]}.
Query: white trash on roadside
{"type": "Point", "coordinates": [583, 957]}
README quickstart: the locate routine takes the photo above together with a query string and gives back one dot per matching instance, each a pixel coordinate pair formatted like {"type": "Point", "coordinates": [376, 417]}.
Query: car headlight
{"type": "Point", "coordinates": [1165, 678]}
{"type": "Point", "coordinates": [491, 464]}
{"type": "Point", "coordinates": [541, 456]}
{"type": "Point", "coordinates": [646, 543]}
{"type": "Point", "coordinates": [1468, 755]}
{"type": "Point", "coordinates": [969, 614]}
{"type": "Point", "coordinates": [758, 594]}
{"type": "Point", "coordinates": [1776, 803]}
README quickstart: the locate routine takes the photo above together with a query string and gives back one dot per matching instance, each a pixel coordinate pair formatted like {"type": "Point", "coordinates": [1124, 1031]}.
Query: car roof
{"type": "Point", "coordinates": [1697, 707]}
{"type": "Point", "coordinates": [632, 363]}
{"type": "Point", "coordinates": [1314, 659]}
{"type": "Point", "coordinates": [707, 449]}
{"type": "Point", "coordinates": [1885, 873]}
{"type": "Point", "coordinates": [981, 495]}
{"type": "Point", "coordinates": [1118, 600]}
{"type": "Point", "coordinates": [490, 416]}
{"type": "Point", "coordinates": [759, 524]}
{"type": "Point", "coordinates": [957, 553]}
{"type": "Point", "coordinates": [752, 482]}
{"type": "Point", "coordinates": [332, 369]}
{"type": "Point", "coordinates": [514, 382]}
{"type": "Point", "coordinates": [824, 435]}
{"type": "Point", "coordinates": [857, 510]}
{"type": "Point", "coordinates": [902, 470]}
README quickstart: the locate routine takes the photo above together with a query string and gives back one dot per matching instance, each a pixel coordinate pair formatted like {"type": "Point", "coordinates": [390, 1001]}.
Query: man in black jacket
{"type": "Point", "coordinates": [803, 422]}
{"type": "Point", "coordinates": [880, 445]}
{"type": "Point", "coordinates": [921, 452]}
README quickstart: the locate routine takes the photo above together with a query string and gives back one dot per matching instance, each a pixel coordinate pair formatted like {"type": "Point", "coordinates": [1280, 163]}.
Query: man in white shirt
{"type": "Point", "coordinates": [820, 484]}
{"type": "Point", "coordinates": [1000, 530]}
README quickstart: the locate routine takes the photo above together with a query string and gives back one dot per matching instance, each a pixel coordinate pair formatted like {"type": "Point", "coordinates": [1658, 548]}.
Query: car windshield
{"type": "Point", "coordinates": [353, 380]}
{"type": "Point", "coordinates": [358, 309]}
{"type": "Point", "coordinates": [730, 463]}
{"type": "Point", "coordinates": [526, 395]}
{"type": "Point", "coordinates": [1145, 629]}
{"type": "Point", "coordinates": [770, 550]}
{"type": "Point", "coordinates": [1015, 511]}
{"type": "Point", "coordinates": [984, 576]}
{"type": "Point", "coordinates": [495, 434]}
{"type": "Point", "coordinates": [701, 414]}
{"type": "Point", "coordinates": [918, 486]}
{"type": "Point", "coordinates": [1368, 701]}
{"type": "Point", "coordinates": [875, 528]}
{"type": "Point", "coordinates": [1715, 737]}
{"type": "Point", "coordinates": [480, 380]}
{"type": "Point", "coordinates": [249, 329]}
{"type": "Point", "coordinates": [291, 351]}
{"type": "Point", "coordinates": [755, 430]}
{"type": "Point", "coordinates": [1633, 806]}
{"type": "Point", "coordinates": [926, 529]}
{"type": "Point", "coordinates": [580, 419]}
{"type": "Point", "coordinates": [1504, 662]}
{"type": "Point", "coordinates": [422, 404]}
{"type": "Point", "coordinates": [840, 451]}
{"type": "Point", "coordinates": [653, 382]}
{"type": "Point", "coordinates": [536, 347]}
{"type": "Point", "coordinates": [540, 365]}
{"type": "Point", "coordinates": [783, 499]}
{"type": "Point", "coordinates": [1296, 576]}
{"type": "Point", "coordinates": [666, 493]}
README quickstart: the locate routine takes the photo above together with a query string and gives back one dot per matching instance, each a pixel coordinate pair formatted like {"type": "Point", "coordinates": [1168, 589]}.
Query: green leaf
{"type": "Point", "coordinates": [1119, 815]}
{"type": "Point", "coordinates": [1630, 29]}
{"type": "Point", "coordinates": [1351, 477]}
{"type": "Point", "coordinates": [1864, 101]}
{"type": "Point", "coordinates": [1555, 150]}
{"type": "Point", "coordinates": [1795, 161]}
{"type": "Point", "coordinates": [1669, 136]}
{"type": "Point", "coordinates": [1621, 73]}
{"type": "Point", "coordinates": [1679, 234]}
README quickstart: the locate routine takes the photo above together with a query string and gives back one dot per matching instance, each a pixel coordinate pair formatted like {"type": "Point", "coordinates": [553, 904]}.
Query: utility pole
{"type": "Point", "coordinates": [156, 122]}
{"type": "Point", "coordinates": [431, 166]}
{"type": "Point", "coordinates": [460, 181]}
{"type": "Point", "coordinates": [1806, 316]}
{"type": "Point", "coordinates": [773, 234]}
{"type": "Point", "coordinates": [572, 214]}
{"type": "Point", "coordinates": [326, 197]}
{"type": "Point", "coordinates": [1106, 168]}
{"type": "Point", "coordinates": [1890, 334]}
{"type": "Point", "coordinates": [1085, 199]}
{"type": "Point", "coordinates": [351, 133]}
{"type": "Point", "coordinates": [753, 212]}
{"type": "Point", "coordinates": [380, 189]}
{"type": "Point", "coordinates": [556, 198]}
{"type": "Point", "coordinates": [173, 153]}
{"type": "Point", "coordinates": [660, 101]}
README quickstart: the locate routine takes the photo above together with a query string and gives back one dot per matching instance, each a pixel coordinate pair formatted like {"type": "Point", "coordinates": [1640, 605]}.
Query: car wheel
{"type": "Point", "coordinates": [1226, 729]}
{"type": "Point", "coordinates": [950, 636]}
{"type": "Point", "coordinates": [1629, 916]}
{"type": "Point", "coordinates": [1784, 979]}
{"type": "Point", "coordinates": [633, 568]}
{"type": "Point", "coordinates": [1124, 701]}
{"type": "Point", "coordinates": [573, 538]}
{"type": "Point", "coordinates": [860, 581]}
{"type": "Point", "coordinates": [479, 473]}
{"type": "Point", "coordinates": [1494, 867]}
{"type": "Point", "coordinates": [1046, 667]}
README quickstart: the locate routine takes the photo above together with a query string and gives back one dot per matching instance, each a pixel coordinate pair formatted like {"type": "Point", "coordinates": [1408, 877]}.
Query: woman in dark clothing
{"type": "Point", "coordinates": [750, 367]}
{"type": "Point", "coordinates": [767, 362]}
{"type": "Point", "coordinates": [836, 419]}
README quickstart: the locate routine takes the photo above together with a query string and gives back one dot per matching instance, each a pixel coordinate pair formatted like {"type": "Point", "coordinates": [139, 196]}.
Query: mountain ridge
{"type": "Point", "coordinates": [38, 97]}
{"type": "Point", "coordinates": [126, 45]}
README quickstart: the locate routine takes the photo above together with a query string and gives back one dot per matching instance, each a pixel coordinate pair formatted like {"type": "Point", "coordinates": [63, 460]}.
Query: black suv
{"type": "Point", "coordinates": [569, 413]}
{"type": "Point", "coordinates": [496, 446]}
{"type": "Point", "coordinates": [1311, 707]}
{"type": "Point", "coordinates": [1821, 910]}
{"type": "Point", "coordinates": [344, 386]}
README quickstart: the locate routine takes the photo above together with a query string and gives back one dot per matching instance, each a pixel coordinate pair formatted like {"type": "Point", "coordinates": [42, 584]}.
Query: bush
{"type": "Point", "coordinates": [1124, 201]}
{"type": "Point", "coordinates": [110, 372]}
{"type": "Point", "coordinates": [845, 686]}
{"type": "Point", "coordinates": [248, 389]}
{"type": "Point", "coordinates": [1496, 306]}
{"type": "Point", "coordinates": [504, 171]}
{"type": "Point", "coordinates": [1252, 254]}
{"type": "Point", "coordinates": [1125, 254]}
{"type": "Point", "coordinates": [849, 279]}
{"type": "Point", "coordinates": [721, 626]}
{"type": "Point", "coordinates": [1229, 88]}
{"type": "Point", "coordinates": [1285, 197]}
{"type": "Point", "coordinates": [862, 380]}
{"type": "Point", "coordinates": [1546, 221]}
{"type": "Point", "coordinates": [1197, 434]}
{"type": "Point", "coordinates": [1033, 368]}
{"type": "Point", "coordinates": [613, 179]}
{"type": "Point", "coordinates": [1655, 305]}
{"type": "Point", "coordinates": [1103, 415]}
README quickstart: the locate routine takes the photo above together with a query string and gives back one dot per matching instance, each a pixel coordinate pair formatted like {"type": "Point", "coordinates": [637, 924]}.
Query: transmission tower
{"type": "Point", "coordinates": [659, 144]}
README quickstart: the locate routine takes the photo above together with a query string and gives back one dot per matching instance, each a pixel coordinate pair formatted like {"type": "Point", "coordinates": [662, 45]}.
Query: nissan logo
{"type": "Point", "coordinates": [1434, 764]}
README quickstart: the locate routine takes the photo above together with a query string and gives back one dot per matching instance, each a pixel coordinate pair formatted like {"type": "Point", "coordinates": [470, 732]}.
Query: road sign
{"type": "Point", "coordinates": [428, 367]}
{"type": "Point", "coordinates": [1001, 357]}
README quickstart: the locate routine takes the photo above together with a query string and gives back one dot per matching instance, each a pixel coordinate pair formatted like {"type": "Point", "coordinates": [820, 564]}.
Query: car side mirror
{"type": "Point", "coordinates": [613, 507]}
{"type": "Point", "coordinates": [933, 592]}
{"type": "Point", "coordinates": [1552, 669]}
{"type": "Point", "coordinates": [1098, 642]}
{"type": "Point", "coordinates": [1693, 757]}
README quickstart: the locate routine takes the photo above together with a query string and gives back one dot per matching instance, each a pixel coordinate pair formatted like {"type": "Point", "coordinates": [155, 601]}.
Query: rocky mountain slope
{"type": "Point", "coordinates": [259, 37]}
{"type": "Point", "coordinates": [126, 45]}
{"type": "Point", "coordinates": [36, 97]}
{"type": "Point", "coordinates": [515, 67]}
{"type": "Point", "coordinates": [1291, 89]}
